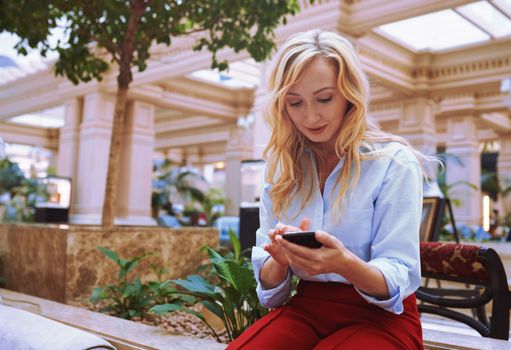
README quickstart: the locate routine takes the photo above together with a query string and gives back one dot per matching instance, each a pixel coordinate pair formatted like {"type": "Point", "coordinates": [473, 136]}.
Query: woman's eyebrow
{"type": "Point", "coordinates": [323, 89]}
{"type": "Point", "coordinates": [314, 93]}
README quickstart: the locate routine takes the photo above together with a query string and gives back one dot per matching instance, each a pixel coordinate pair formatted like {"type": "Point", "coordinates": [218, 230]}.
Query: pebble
{"type": "Point", "coordinates": [178, 322]}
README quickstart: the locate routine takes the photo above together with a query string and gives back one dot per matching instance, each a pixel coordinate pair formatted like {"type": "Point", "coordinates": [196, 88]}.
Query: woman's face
{"type": "Point", "coordinates": [315, 104]}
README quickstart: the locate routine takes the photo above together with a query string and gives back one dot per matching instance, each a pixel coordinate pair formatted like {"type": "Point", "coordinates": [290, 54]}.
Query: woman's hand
{"type": "Point", "coordinates": [274, 248]}
{"type": "Point", "coordinates": [332, 257]}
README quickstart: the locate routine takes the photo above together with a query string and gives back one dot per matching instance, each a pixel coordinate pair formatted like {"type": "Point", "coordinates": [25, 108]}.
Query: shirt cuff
{"type": "Point", "coordinates": [396, 291]}
{"type": "Point", "coordinates": [273, 297]}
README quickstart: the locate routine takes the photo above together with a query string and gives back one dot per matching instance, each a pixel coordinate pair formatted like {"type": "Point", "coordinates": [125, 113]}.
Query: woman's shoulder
{"type": "Point", "coordinates": [391, 151]}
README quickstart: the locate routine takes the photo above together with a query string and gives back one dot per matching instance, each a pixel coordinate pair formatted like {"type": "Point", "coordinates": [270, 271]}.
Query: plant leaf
{"type": "Point", "coordinates": [220, 266]}
{"type": "Point", "coordinates": [98, 294]}
{"type": "Point", "coordinates": [110, 254]}
{"type": "Point", "coordinates": [235, 244]}
{"type": "Point", "coordinates": [244, 277]}
{"type": "Point", "coordinates": [164, 308]}
{"type": "Point", "coordinates": [214, 308]}
{"type": "Point", "coordinates": [196, 283]}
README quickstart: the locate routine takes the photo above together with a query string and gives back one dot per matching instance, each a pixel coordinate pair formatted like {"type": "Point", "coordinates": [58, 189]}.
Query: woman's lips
{"type": "Point", "coordinates": [317, 130]}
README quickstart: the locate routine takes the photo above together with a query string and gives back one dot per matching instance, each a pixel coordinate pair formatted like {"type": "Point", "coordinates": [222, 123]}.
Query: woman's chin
{"type": "Point", "coordinates": [317, 138]}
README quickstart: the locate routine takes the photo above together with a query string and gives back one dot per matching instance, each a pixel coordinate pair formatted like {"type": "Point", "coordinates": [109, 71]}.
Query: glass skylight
{"type": "Point", "coordinates": [434, 31]}
{"type": "Point", "coordinates": [503, 5]}
{"type": "Point", "coordinates": [487, 17]}
{"type": "Point", "coordinates": [49, 118]}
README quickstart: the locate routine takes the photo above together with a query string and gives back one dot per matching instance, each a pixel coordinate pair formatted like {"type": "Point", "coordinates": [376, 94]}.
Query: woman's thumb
{"type": "Point", "coordinates": [326, 239]}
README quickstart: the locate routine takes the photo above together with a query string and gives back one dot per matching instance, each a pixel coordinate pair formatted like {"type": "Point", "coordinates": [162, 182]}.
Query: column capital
{"type": "Point", "coordinates": [417, 116]}
{"type": "Point", "coordinates": [457, 103]}
{"type": "Point", "coordinates": [462, 132]}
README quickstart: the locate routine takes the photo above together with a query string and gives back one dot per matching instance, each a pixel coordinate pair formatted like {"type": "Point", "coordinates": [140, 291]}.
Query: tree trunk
{"type": "Point", "coordinates": [114, 157]}
{"type": "Point", "coordinates": [123, 81]}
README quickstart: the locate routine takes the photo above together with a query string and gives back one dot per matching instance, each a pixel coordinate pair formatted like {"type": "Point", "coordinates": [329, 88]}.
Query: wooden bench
{"type": "Point", "coordinates": [481, 283]}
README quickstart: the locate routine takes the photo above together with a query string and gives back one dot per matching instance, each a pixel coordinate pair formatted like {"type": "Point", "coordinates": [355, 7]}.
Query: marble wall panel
{"type": "Point", "coordinates": [36, 261]}
{"type": "Point", "coordinates": [4, 246]}
{"type": "Point", "coordinates": [63, 263]}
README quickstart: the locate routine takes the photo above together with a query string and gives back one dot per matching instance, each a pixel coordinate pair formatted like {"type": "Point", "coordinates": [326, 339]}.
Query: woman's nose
{"type": "Point", "coordinates": [312, 114]}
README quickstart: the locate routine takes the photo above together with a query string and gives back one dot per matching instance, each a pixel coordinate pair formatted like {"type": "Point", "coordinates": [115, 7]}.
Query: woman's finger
{"type": "Point", "coordinates": [295, 249]}
{"type": "Point", "coordinates": [305, 224]}
{"type": "Point", "coordinates": [286, 228]}
{"type": "Point", "coordinates": [303, 264]}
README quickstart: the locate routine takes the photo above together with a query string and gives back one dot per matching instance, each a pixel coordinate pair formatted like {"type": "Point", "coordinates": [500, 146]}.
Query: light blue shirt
{"type": "Point", "coordinates": [379, 223]}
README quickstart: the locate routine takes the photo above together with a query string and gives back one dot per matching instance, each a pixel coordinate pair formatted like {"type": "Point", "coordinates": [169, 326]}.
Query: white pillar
{"type": "Point", "coordinates": [94, 146]}
{"type": "Point", "coordinates": [69, 142]}
{"type": "Point", "coordinates": [53, 160]}
{"type": "Point", "coordinates": [504, 168]}
{"type": "Point", "coordinates": [261, 129]}
{"type": "Point", "coordinates": [137, 147]}
{"type": "Point", "coordinates": [417, 125]}
{"type": "Point", "coordinates": [239, 148]}
{"type": "Point", "coordinates": [200, 165]}
{"type": "Point", "coordinates": [462, 143]}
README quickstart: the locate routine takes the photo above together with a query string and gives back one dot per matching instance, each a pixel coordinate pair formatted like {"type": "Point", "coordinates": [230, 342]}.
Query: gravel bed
{"type": "Point", "coordinates": [177, 322]}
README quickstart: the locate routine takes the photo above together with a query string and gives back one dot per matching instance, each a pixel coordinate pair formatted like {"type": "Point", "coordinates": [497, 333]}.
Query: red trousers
{"type": "Point", "coordinates": [329, 315]}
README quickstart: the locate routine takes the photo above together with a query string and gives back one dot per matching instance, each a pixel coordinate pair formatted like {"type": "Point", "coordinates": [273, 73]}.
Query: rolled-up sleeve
{"type": "Point", "coordinates": [276, 296]}
{"type": "Point", "coordinates": [396, 222]}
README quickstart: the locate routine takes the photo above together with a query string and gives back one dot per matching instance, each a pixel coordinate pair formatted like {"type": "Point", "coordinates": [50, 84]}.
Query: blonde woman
{"type": "Point", "coordinates": [331, 170]}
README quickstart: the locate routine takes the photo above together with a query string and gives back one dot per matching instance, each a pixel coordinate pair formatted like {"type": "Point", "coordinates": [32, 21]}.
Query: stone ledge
{"type": "Point", "coordinates": [124, 334]}
{"type": "Point", "coordinates": [128, 335]}
{"type": "Point", "coordinates": [437, 340]}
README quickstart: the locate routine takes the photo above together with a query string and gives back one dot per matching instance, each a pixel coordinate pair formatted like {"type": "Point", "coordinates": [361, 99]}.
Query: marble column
{"type": "Point", "coordinates": [261, 129]}
{"type": "Point", "coordinates": [92, 164]}
{"type": "Point", "coordinates": [464, 166]}
{"type": "Point", "coordinates": [69, 142]}
{"type": "Point", "coordinates": [200, 165]}
{"type": "Point", "coordinates": [134, 184]}
{"type": "Point", "coordinates": [504, 168]}
{"type": "Point", "coordinates": [238, 148]}
{"type": "Point", "coordinates": [417, 125]}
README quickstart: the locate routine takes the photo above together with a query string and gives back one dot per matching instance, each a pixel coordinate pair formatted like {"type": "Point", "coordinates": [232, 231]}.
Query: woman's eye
{"type": "Point", "coordinates": [325, 100]}
{"type": "Point", "coordinates": [295, 104]}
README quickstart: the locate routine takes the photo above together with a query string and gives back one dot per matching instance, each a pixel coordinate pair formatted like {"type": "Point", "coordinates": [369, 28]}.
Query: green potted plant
{"type": "Point", "coordinates": [11, 177]}
{"type": "Point", "coordinates": [213, 198]}
{"type": "Point", "coordinates": [171, 182]}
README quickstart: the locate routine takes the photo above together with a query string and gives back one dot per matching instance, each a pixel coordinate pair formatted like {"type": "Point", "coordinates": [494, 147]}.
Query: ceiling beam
{"type": "Point", "coordinates": [187, 104]}
{"type": "Point", "coordinates": [193, 137]}
{"type": "Point", "coordinates": [29, 135]}
{"type": "Point", "coordinates": [185, 124]}
{"type": "Point", "coordinates": [367, 14]}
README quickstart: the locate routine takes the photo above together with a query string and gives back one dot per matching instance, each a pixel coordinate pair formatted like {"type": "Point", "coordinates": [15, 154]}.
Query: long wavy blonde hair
{"type": "Point", "coordinates": [359, 134]}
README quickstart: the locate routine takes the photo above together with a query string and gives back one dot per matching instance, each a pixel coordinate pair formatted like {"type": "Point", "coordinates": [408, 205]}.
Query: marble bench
{"type": "Point", "coordinates": [121, 334]}
{"type": "Point", "coordinates": [23, 330]}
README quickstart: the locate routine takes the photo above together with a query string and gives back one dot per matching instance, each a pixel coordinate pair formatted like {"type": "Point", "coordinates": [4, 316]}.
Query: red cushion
{"type": "Point", "coordinates": [452, 259]}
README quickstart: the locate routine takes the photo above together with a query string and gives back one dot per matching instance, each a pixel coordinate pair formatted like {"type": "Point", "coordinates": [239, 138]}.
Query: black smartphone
{"type": "Point", "coordinates": [305, 238]}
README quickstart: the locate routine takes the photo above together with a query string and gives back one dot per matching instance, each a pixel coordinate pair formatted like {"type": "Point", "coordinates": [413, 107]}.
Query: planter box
{"type": "Point", "coordinates": [61, 262]}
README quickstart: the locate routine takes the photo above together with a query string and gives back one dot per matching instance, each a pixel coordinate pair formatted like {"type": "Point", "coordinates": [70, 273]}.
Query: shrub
{"type": "Point", "coordinates": [128, 299]}
{"type": "Point", "coordinates": [233, 299]}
